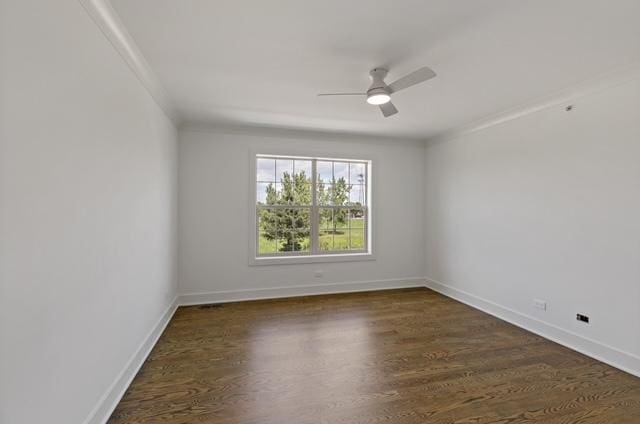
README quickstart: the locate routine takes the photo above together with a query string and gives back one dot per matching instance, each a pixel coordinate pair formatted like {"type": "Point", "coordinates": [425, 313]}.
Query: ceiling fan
{"type": "Point", "coordinates": [379, 93]}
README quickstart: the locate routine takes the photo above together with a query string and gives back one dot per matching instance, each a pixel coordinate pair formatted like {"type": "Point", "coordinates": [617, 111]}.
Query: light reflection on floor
{"type": "Point", "coordinates": [323, 359]}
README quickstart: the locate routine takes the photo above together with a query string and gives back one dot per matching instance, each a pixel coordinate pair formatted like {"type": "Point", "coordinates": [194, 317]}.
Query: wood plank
{"type": "Point", "coordinates": [395, 356]}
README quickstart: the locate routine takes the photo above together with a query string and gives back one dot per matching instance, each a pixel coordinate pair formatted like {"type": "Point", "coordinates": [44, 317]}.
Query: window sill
{"type": "Point", "coordinates": [311, 259]}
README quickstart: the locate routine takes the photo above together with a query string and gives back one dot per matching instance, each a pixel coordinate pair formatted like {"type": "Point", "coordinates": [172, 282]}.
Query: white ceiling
{"type": "Point", "coordinates": [257, 62]}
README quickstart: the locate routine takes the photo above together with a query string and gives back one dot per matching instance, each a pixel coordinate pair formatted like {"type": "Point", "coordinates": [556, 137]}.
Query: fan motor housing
{"type": "Point", "coordinates": [378, 92]}
{"type": "Point", "coordinates": [377, 79]}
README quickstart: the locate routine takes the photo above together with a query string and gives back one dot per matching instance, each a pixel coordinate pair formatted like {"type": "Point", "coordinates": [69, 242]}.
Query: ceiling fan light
{"type": "Point", "coordinates": [378, 99]}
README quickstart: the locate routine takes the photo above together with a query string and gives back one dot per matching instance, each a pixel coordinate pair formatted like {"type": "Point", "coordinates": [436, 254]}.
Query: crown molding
{"type": "Point", "coordinates": [296, 133]}
{"type": "Point", "coordinates": [106, 18]}
{"type": "Point", "coordinates": [566, 95]}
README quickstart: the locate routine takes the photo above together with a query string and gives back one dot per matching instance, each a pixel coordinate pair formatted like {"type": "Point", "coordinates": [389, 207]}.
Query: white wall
{"type": "Point", "coordinates": [213, 220]}
{"type": "Point", "coordinates": [546, 206]}
{"type": "Point", "coordinates": [87, 213]}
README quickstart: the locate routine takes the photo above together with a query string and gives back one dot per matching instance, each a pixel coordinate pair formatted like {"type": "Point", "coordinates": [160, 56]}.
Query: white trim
{"type": "Point", "coordinates": [106, 18]}
{"type": "Point", "coordinates": [108, 402]}
{"type": "Point", "coordinates": [298, 134]}
{"type": "Point", "coordinates": [624, 361]}
{"type": "Point", "coordinates": [310, 259]}
{"type": "Point", "coordinates": [566, 95]}
{"type": "Point", "coordinates": [295, 291]}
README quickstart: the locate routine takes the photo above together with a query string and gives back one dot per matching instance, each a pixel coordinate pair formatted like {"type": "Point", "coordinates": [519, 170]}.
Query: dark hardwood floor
{"type": "Point", "coordinates": [398, 356]}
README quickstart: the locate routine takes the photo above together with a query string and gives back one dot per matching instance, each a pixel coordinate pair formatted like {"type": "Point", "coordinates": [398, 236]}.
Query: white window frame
{"type": "Point", "coordinates": [314, 256]}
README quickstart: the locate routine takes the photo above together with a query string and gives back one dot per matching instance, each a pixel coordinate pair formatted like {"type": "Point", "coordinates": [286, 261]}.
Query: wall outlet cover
{"type": "Point", "coordinates": [540, 304]}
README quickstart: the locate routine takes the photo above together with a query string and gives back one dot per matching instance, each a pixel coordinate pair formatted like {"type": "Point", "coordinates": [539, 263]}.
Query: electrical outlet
{"type": "Point", "coordinates": [582, 318]}
{"type": "Point", "coordinates": [318, 273]}
{"type": "Point", "coordinates": [540, 304]}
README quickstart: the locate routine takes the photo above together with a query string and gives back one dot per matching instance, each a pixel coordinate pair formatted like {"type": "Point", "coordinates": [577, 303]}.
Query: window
{"type": "Point", "coordinates": [311, 208]}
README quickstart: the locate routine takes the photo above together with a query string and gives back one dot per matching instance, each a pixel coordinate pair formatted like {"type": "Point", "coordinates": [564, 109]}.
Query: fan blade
{"type": "Point", "coordinates": [342, 94]}
{"type": "Point", "coordinates": [415, 77]}
{"type": "Point", "coordinates": [388, 109]}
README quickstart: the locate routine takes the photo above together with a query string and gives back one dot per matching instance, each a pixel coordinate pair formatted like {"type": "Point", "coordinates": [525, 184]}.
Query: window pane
{"type": "Point", "coordinates": [266, 170]}
{"type": "Point", "coordinates": [284, 243]}
{"type": "Point", "coordinates": [288, 229]}
{"type": "Point", "coordinates": [325, 172]}
{"type": "Point", "coordinates": [340, 192]}
{"type": "Point", "coordinates": [266, 244]}
{"type": "Point", "coordinates": [283, 240]}
{"type": "Point", "coordinates": [324, 194]}
{"type": "Point", "coordinates": [300, 219]}
{"type": "Point", "coordinates": [341, 229]}
{"type": "Point", "coordinates": [268, 223]}
{"type": "Point", "coordinates": [296, 192]}
{"type": "Point", "coordinates": [326, 241]}
{"type": "Point", "coordinates": [357, 229]}
{"type": "Point", "coordinates": [341, 170]}
{"type": "Point", "coordinates": [357, 218]}
{"type": "Point", "coordinates": [334, 229]}
{"type": "Point", "coordinates": [294, 241]}
{"type": "Point", "coordinates": [302, 166]}
{"type": "Point", "coordinates": [340, 220]}
{"type": "Point", "coordinates": [357, 239]}
{"type": "Point", "coordinates": [326, 229]}
{"type": "Point", "coordinates": [283, 166]}
{"type": "Point", "coordinates": [263, 190]}
{"type": "Point", "coordinates": [304, 241]}
{"type": "Point", "coordinates": [357, 195]}
{"type": "Point", "coordinates": [341, 239]}
{"type": "Point", "coordinates": [294, 189]}
{"type": "Point", "coordinates": [277, 194]}
{"type": "Point", "coordinates": [357, 173]}
{"type": "Point", "coordinates": [302, 194]}
{"type": "Point", "coordinates": [326, 218]}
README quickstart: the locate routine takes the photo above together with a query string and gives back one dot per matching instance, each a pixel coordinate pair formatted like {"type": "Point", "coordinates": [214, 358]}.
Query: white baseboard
{"type": "Point", "coordinates": [294, 291]}
{"type": "Point", "coordinates": [105, 406]}
{"type": "Point", "coordinates": [609, 355]}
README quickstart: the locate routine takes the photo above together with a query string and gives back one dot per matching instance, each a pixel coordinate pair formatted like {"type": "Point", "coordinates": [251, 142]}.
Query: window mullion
{"type": "Point", "coordinates": [315, 216]}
